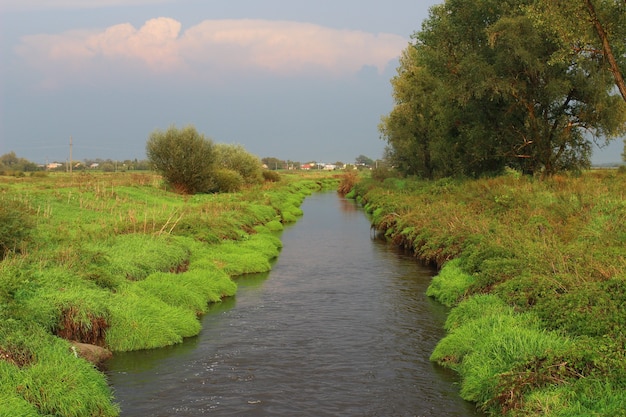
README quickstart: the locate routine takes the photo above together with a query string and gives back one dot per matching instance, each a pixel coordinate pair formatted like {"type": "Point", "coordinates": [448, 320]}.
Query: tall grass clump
{"type": "Point", "coordinates": [486, 340]}
{"type": "Point", "coordinates": [140, 320]}
{"type": "Point", "coordinates": [16, 225]}
{"type": "Point", "coordinates": [450, 284]}
{"type": "Point", "coordinates": [41, 375]}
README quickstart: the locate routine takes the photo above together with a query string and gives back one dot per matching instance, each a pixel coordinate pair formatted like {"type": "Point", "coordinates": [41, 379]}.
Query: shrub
{"type": "Point", "coordinates": [184, 157]}
{"type": "Point", "coordinates": [382, 172]}
{"type": "Point", "coordinates": [348, 181]}
{"type": "Point", "coordinates": [227, 181]}
{"type": "Point", "coordinates": [271, 176]}
{"type": "Point", "coordinates": [236, 158]}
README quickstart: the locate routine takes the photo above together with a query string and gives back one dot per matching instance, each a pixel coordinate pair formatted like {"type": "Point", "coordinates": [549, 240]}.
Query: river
{"type": "Point", "coordinates": [339, 327]}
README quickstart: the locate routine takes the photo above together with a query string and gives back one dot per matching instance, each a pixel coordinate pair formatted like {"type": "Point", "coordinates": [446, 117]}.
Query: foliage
{"type": "Point", "coordinates": [236, 158]}
{"type": "Point", "coordinates": [348, 181]}
{"type": "Point", "coordinates": [478, 91]}
{"type": "Point", "coordinates": [184, 157]}
{"type": "Point", "coordinates": [11, 164]}
{"type": "Point", "coordinates": [227, 180]}
{"type": "Point", "coordinates": [364, 160]}
{"type": "Point", "coordinates": [589, 30]}
{"type": "Point", "coordinates": [271, 176]}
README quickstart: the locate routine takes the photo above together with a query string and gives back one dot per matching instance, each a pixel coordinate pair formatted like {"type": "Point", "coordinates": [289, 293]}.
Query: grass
{"type": "Point", "coordinates": [536, 273]}
{"type": "Point", "coordinates": [117, 261]}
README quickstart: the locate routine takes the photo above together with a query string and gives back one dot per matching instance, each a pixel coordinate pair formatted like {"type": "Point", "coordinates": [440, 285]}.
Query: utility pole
{"type": "Point", "coordinates": [70, 155]}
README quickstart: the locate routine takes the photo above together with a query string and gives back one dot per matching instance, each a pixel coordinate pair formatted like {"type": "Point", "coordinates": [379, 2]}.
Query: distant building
{"type": "Point", "coordinates": [53, 165]}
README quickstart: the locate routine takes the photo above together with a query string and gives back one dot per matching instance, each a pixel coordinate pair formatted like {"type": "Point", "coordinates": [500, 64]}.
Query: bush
{"type": "Point", "coordinates": [15, 226]}
{"type": "Point", "coordinates": [227, 181]}
{"type": "Point", "coordinates": [236, 158]}
{"type": "Point", "coordinates": [348, 181]}
{"type": "Point", "coordinates": [184, 157]}
{"type": "Point", "coordinates": [271, 176]}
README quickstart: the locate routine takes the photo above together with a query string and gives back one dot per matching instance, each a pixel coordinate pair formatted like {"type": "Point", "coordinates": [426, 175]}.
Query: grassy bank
{"type": "Point", "coordinates": [536, 273]}
{"type": "Point", "coordinates": [117, 261]}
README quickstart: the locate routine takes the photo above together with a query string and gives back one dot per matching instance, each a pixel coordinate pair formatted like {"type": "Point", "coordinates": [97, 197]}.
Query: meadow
{"type": "Point", "coordinates": [535, 274]}
{"type": "Point", "coordinates": [116, 260]}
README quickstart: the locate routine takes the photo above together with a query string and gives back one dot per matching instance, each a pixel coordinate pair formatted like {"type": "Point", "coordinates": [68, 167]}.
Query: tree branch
{"type": "Point", "coordinates": [608, 51]}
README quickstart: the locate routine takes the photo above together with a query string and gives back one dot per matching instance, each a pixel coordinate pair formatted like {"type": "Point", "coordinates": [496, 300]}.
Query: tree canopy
{"type": "Point", "coordinates": [479, 89]}
{"type": "Point", "coordinates": [184, 157]}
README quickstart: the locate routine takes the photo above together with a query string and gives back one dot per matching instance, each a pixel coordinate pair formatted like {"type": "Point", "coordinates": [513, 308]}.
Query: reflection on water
{"type": "Point", "coordinates": [340, 327]}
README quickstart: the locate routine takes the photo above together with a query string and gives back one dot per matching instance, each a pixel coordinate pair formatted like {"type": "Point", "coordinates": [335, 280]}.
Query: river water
{"type": "Point", "coordinates": [339, 327]}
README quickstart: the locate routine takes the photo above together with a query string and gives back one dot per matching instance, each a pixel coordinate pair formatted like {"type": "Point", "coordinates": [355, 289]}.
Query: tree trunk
{"type": "Point", "coordinates": [608, 51]}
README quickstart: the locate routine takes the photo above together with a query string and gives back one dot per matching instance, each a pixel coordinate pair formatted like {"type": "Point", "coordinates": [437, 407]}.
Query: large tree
{"type": "Point", "coordinates": [501, 99]}
{"type": "Point", "coordinates": [591, 29]}
{"type": "Point", "coordinates": [410, 127]}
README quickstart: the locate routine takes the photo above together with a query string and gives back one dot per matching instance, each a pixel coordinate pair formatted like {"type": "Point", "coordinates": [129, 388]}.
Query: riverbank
{"type": "Point", "coordinates": [536, 273]}
{"type": "Point", "coordinates": [116, 261]}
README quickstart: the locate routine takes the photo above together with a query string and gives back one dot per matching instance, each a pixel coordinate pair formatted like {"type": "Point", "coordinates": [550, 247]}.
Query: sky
{"type": "Point", "coordinates": [300, 81]}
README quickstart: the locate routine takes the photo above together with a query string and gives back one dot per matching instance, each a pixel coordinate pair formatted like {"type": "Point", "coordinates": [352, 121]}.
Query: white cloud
{"type": "Point", "coordinates": [211, 49]}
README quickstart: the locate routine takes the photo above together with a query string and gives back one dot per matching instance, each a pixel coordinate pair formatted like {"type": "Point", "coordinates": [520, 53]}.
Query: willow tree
{"type": "Point", "coordinates": [591, 29]}
{"type": "Point", "coordinates": [184, 157]}
{"type": "Point", "coordinates": [410, 127]}
{"type": "Point", "coordinates": [501, 100]}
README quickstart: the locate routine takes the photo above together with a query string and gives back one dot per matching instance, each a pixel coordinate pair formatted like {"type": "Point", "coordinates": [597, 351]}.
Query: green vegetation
{"type": "Point", "coordinates": [491, 84]}
{"type": "Point", "coordinates": [536, 274]}
{"type": "Point", "coordinates": [114, 260]}
{"type": "Point", "coordinates": [191, 163]}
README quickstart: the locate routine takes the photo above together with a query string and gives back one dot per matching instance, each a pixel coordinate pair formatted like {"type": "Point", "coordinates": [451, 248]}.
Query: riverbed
{"type": "Point", "coordinates": [341, 326]}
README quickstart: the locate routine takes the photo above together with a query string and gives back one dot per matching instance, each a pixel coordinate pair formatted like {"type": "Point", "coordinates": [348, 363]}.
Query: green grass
{"type": "Point", "coordinates": [536, 274]}
{"type": "Point", "coordinates": [44, 377]}
{"type": "Point", "coordinates": [451, 284]}
{"type": "Point", "coordinates": [115, 260]}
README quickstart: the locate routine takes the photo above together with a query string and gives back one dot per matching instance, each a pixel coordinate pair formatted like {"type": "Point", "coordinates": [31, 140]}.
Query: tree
{"type": "Point", "coordinates": [184, 157]}
{"type": "Point", "coordinates": [411, 126]}
{"type": "Point", "coordinates": [12, 163]}
{"type": "Point", "coordinates": [364, 160]}
{"type": "Point", "coordinates": [592, 30]}
{"type": "Point", "coordinates": [273, 163]}
{"type": "Point", "coordinates": [483, 72]}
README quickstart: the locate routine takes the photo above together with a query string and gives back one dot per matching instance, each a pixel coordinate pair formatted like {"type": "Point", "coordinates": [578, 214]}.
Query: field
{"type": "Point", "coordinates": [117, 262]}
{"type": "Point", "coordinates": [536, 274]}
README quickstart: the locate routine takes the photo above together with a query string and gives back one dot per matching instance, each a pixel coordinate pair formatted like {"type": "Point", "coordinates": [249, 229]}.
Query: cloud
{"type": "Point", "coordinates": [210, 50]}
